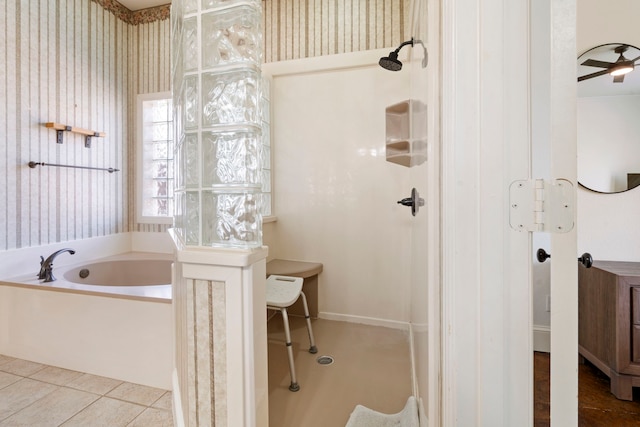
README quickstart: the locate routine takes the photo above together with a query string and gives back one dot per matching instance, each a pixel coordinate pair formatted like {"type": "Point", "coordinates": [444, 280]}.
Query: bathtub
{"type": "Point", "coordinates": [116, 321]}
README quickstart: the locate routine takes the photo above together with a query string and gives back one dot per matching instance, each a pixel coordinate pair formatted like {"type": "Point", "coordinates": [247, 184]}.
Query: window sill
{"type": "Point", "coordinates": [155, 220]}
{"type": "Point", "coordinates": [169, 220]}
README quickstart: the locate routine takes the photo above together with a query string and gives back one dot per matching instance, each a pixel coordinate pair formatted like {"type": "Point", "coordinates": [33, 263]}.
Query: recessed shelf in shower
{"type": "Point", "coordinates": [406, 133]}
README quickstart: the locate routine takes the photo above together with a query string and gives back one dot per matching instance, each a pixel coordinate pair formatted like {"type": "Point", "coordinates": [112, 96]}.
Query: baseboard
{"type": "Point", "coordinates": [178, 416]}
{"type": "Point", "coordinates": [373, 321]}
{"type": "Point", "coordinates": [542, 338]}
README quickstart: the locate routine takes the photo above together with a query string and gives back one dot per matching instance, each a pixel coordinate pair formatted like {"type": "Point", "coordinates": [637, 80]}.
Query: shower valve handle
{"type": "Point", "coordinates": [415, 201]}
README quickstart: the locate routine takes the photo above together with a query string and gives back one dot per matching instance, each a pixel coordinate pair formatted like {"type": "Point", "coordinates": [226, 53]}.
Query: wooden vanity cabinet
{"type": "Point", "coordinates": [609, 322]}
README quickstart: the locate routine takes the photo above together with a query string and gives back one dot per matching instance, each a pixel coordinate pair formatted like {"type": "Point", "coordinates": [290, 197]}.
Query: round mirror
{"type": "Point", "coordinates": [608, 118]}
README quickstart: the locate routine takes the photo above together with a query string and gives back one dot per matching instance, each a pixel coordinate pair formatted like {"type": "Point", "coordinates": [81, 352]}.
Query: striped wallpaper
{"type": "Point", "coordinates": [76, 63]}
{"type": "Point", "coordinates": [63, 61]}
{"type": "Point", "coordinates": [305, 28]}
{"type": "Point", "coordinates": [149, 71]}
{"type": "Point", "coordinates": [71, 62]}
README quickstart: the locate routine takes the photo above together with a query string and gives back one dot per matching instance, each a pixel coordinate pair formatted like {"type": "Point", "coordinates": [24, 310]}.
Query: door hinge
{"type": "Point", "coordinates": [539, 205]}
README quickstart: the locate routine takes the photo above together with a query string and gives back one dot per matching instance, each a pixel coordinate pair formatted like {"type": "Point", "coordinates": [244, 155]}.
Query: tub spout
{"type": "Point", "coordinates": [46, 265]}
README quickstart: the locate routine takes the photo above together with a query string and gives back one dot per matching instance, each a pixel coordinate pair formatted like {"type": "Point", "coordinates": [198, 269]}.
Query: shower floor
{"type": "Point", "coordinates": [372, 367]}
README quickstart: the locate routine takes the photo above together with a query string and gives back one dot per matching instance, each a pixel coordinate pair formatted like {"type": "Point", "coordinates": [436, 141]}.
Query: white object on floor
{"type": "Point", "coordinates": [282, 292]}
{"type": "Point", "coordinates": [365, 417]}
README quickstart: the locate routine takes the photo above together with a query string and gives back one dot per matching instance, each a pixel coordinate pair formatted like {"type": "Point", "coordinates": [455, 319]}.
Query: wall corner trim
{"type": "Point", "coordinates": [542, 338]}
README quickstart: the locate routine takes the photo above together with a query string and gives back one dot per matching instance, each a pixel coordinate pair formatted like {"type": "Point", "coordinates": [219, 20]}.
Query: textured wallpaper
{"type": "Point", "coordinates": [149, 68]}
{"type": "Point", "coordinates": [82, 63]}
{"type": "Point", "coordinates": [305, 28]}
{"type": "Point", "coordinates": [65, 62]}
{"type": "Point", "coordinates": [71, 62]}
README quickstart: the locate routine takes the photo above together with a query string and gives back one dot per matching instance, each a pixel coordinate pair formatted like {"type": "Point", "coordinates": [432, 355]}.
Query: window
{"type": "Point", "coordinates": [155, 158]}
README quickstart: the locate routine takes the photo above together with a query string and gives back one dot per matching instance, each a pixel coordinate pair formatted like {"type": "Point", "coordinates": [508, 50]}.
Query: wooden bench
{"type": "Point", "coordinates": [309, 272]}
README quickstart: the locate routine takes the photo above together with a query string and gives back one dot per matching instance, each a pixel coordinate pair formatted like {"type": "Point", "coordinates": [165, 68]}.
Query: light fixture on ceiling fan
{"type": "Point", "coordinates": [617, 69]}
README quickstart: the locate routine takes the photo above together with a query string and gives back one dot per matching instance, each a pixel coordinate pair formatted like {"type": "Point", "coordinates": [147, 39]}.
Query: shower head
{"type": "Point", "coordinates": [392, 62]}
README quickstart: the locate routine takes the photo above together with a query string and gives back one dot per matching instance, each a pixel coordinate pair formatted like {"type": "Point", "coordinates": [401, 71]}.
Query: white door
{"type": "Point", "coordinates": [487, 317]}
{"type": "Point", "coordinates": [554, 156]}
{"type": "Point", "coordinates": [564, 265]}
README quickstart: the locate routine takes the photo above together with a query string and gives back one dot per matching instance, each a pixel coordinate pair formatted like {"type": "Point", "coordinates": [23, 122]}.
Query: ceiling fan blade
{"type": "Point", "coordinates": [618, 79]}
{"type": "Point", "coordinates": [592, 75]}
{"type": "Point", "coordinates": [635, 59]}
{"type": "Point", "coordinates": [596, 63]}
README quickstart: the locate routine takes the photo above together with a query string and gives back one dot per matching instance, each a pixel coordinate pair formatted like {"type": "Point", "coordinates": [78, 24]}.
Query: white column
{"type": "Point", "coordinates": [221, 338]}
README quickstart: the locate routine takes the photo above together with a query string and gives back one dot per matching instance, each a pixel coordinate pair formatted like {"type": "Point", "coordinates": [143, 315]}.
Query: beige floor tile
{"type": "Point", "coordinates": [372, 367]}
{"type": "Point", "coordinates": [5, 359]}
{"type": "Point", "coordinates": [21, 394]}
{"type": "Point", "coordinates": [57, 376]}
{"type": "Point", "coordinates": [136, 393]}
{"type": "Point", "coordinates": [165, 402]}
{"type": "Point", "coordinates": [24, 368]}
{"type": "Point", "coordinates": [94, 384]}
{"type": "Point", "coordinates": [7, 379]}
{"type": "Point", "coordinates": [106, 412]}
{"type": "Point", "coordinates": [152, 417]}
{"type": "Point", "coordinates": [51, 410]}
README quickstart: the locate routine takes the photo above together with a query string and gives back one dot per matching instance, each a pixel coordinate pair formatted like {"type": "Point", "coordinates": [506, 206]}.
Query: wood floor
{"type": "Point", "coordinates": [597, 407]}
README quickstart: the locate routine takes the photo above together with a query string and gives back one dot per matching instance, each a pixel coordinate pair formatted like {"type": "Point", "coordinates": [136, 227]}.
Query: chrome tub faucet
{"type": "Point", "coordinates": [46, 265]}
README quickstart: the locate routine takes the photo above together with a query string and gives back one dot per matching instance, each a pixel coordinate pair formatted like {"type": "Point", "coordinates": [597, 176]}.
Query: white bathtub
{"type": "Point", "coordinates": [119, 327]}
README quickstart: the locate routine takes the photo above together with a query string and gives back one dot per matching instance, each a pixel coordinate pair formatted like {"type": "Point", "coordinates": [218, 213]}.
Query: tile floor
{"type": "Point", "coordinates": [36, 395]}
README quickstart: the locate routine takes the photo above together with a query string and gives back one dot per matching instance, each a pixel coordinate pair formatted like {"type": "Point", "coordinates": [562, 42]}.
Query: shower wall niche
{"type": "Point", "coordinates": [406, 133]}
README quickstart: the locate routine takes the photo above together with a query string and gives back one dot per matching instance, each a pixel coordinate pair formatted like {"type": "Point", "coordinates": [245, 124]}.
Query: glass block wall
{"type": "Point", "coordinates": [218, 120]}
{"type": "Point", "coordinates": [266, 147]}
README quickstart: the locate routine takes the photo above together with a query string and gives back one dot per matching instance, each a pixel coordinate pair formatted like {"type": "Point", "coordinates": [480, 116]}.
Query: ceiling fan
{"type": "Point", "coordinates": [617, 69]}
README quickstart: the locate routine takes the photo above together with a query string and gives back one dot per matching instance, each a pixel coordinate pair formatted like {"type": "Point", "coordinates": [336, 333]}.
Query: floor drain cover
{"type": "Point", "coordinates": [325, 360]}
